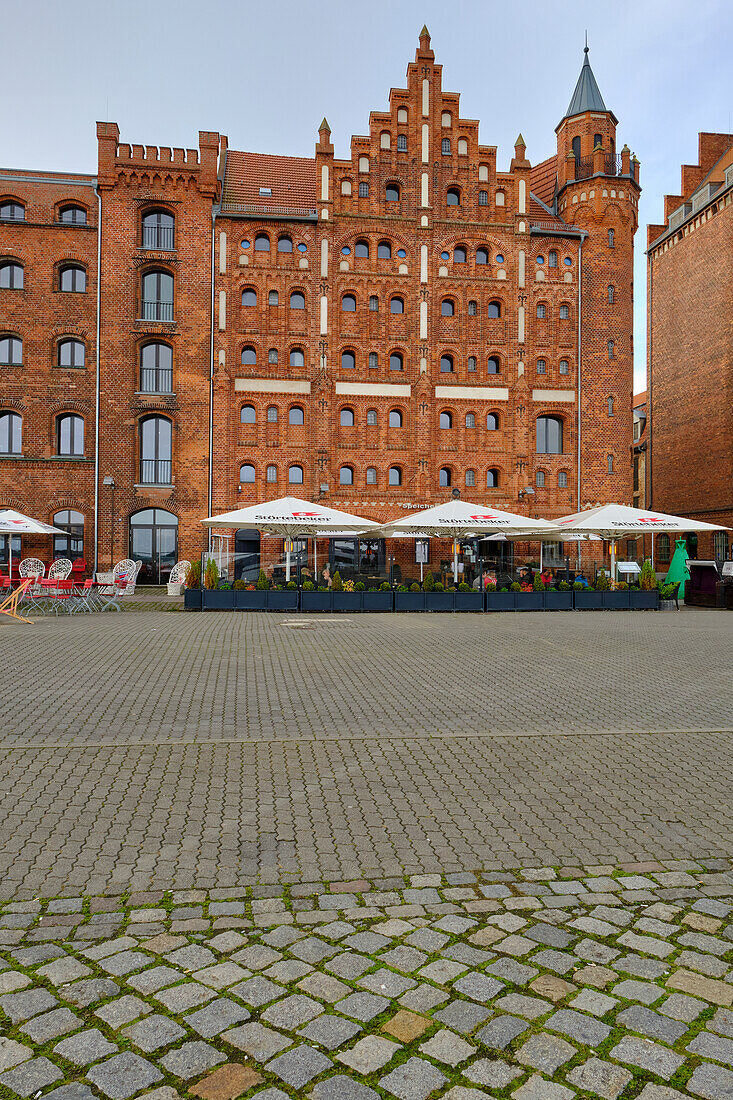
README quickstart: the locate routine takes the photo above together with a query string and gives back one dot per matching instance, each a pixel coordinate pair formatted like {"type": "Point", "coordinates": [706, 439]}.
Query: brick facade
{"type": "Point", "coordinates": [690, 345]}
{"type": "Point", "coordinates": [501, 277]}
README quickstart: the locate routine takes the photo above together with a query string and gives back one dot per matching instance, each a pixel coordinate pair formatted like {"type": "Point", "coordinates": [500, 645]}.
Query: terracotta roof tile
{"type": "Point", "coordinates": [542, 180]}
{"type": "Point", "coordinates": [292, 181]}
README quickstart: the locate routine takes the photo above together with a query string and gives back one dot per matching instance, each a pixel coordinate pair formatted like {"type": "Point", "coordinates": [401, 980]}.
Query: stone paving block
{"type": "Point", "coordinates": [415, 1079]}
{"type": "Point", "coordinates": [191, 1059]}
{"type": "Point", "coordinates": [681, 1007]}
{"type": "Point", "coordinates": [221, 975]}
{"type": "Point", "coordinates": [600, 1078]}
{"type": "Point", "coordinates": [180, 998]}
{"type": "Point", "coordinates": [529, 1007]}
{"type": "Point", "coordinates": [29, 1077]}
{"type": "Point", "coordinates": [716, 1047]}
{"type": "Point", "coordinates": [51, 1025]}
{"type": "Point", "coordinates": [589, 1000]}
{"type": "Point", "coordinates": [442, 971]}
{"type": "Point", "coordinates": [323, 986]}
{"type": "Point", "coordinates": [362, 1006]}
{"type": "Point", "coordinates": [313, 950]}
{"type": "Point", "coordinates": [552, 987]}
{"type": "Point", "coordinates": [369, 1054]}
{"type": "Point", "coordinates": [660, 1092]}
{"type": "Point", "coordinates": [216, 1016]}
{"type": "Point", "coordinates": [404, 958]}
{"type": "Point", "coordinates": [447, 1047]}
{"type": "Point", "coordinates": [592, 951]}
{"type": "Point", "coordinates": [426, 939]}
{"type": "Point", "coordinates": [368, 942]}
{"type": "Point", "coordinates": [74, 1091]}
{"type": "Point", "coordinates": [722, 1022]}
{"type": "Point", "coordinates": [153, 1033]}
{"type": "Point", "coordinates": [334, 1088]}
{"type": "Point", "coordinates": [646, 1055]}
{"type": "Point", "coordinates": [500, 1031]}
{"type": "Point", "coordinates": [549, 935]}
{"type": "Point", "coordinates": [492, 1072]}
{"type": "Point", "coordinates": [708, 989]}
{"type": "Point", "coordinates": [261, 1043]}
{"type": "Point", "coordinates": [85, 1047]}
{"type": "Point", "coordinates": [537, 1088]}
{"type": "Point", "coordinates": [122, 1011]}
{"type": "Point", "coordinates": [640, 967]}
{"type": "Point", "coordinates": [110, 947]}
{"type": "Point", "coordinates": [292, 1012]}
{"type": "Point", "coordinates": [633, 990]}
{"type": "Point", "coordinates": [299, 1066]}
{"type": "Point", "coordinates": [89, 991]}
{"type": "Point", "coordinates": [123, 1076]}
{"type": "Point", "coordinates": [12, 980]}
{"type": "Point", "coordinates": [558, 961]}
{"type": "Point", "coordinates": [256, 956]}
{"type": "Point", "coordinates": [406, 1026]}
{"type": "Point", "coordinates": [125, 962]}
{"type": "Point", "coordinates": [289, 970]}
{"type": "Point", "coordinates": [584, 1029]}
{"type": "Point", "coordinates": [705, 964]}
{"type": "Point", "coordinates": [642, 1020]}
{"type": "Point", "coordinates": [545, 1052]}
{"type": "Point", "coordinates": [349, 965]}
{"type": "Point", "coordinates": [479, 987]}
{"type": "Point", "coordinates": [12, 1053]}
{"type": "Point", "coordinates": [21, 1006]}
{"type": "Point", "coordinates": [386, 983]}
{"type": "Point", "coordinates": [329, 1031]}
{"type": "Point", "coordinates": [258, 991]}
{"type": "Point", "coordinates": [157, 977]}
{"type": "Point", "coordinates": [62, 971]}
{"type": "Point", "coordinates": [423, 998]}
{"type": "Point", "coordinates": [227, 1082]}
{"type": "Point", "coordinates": [711, 1082]}
{"type": "Point", "coordinates": [510, 970]}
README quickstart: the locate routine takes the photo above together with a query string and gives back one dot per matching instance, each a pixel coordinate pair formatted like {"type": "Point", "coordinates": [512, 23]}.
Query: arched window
{"type": "Point", "coordinates": [348, 360]}
{"type": "Point", "coordinates": [459, 254]}
{"type": "Point", "coordinates": [262, 243]}
{"type": "Point", "coordinates": [447, 307]}
{"type": "Point", "coordinates": [539, 479]}
{"type": "Point", "coordinates": [483, 198]}
{"type": "Point", "coordinates": [597, 140]}
{"type": "Point", "coordinates": [611, 350]}
{"type": "Point", "coordinates": [11, 433]}
{"type": "Point", "coordinates": [156, 451]}
{"type": "Point", "coordinates": [373, 360]}
{"type": "Point", "coordinates": [297, 357]}
{"type": "Point", "coordinates": [446, 420]}
{"type": "Point", "coordinates": [611, 294]}
{"type": "Point", "coordinates": [471, 364]}
{"type": "Point", "coordinates": [247, 474]}
{"type": "Point", "coordinates": [156, 368]}
{"type": "Point", "coordinates": [396, 305]}
{"type": "Point", "coordinates": [482, 255]}
{"type": "Point", "coordinates": [541, 366]}
{"type": "Point", "coordinates": [384, 250]}
{"type": "Point", "coordinates": [470, 420]}
{"type": "Point", "coordinates": [71, 543]}
{"type": "Point", "coordinates": [297, 300]}
{"type": "Point", "coordinates": [609, 464]}
{"type": "Point", "coordinates": [453, 197]}
{"type": "Point", "coordinates": [564, 367]}
{"type": "Point", "coordinates": [492, 479]}
{"type": "Point", "coordinates": [501, 197]}
{"type": "Point", "coordinates": [347, 418]}
{"type": "Point", "coordinates": [373, 303]}
{"type": "Point", "coordinates": [371, 475]}
{"type": "Point", "coordinates": [72, 279]}
{"type": "Point", "coordinates": [472, 308]}
{"type": "Point", "coordinates": [273, 298]}
{"type": "Point", "coordinates": [11, 275]}
{"type": "Point", "coordinates": [272, 414]}
{"type": "Point", "coordinates": [361, 250]}
{"type": "Point", "coordinates": [284, 244]}
{"type": "Point", "coordinates": [392, 192]}
{"type": "Point", "coordinates": [157, 296]}
{"type": "Point", "coordinates": [720, 545]}
{"type": "Point", "coordinates": [562, 479]}
{"type": "Point", "coordinates": [271, 475]}
{"type": "Point", "coordinates": [541, 310]}
{"type": "Point", "coordinates": [158, 230]}
{"type": "Point", "coordinates": [494, 310]}
{"type": "Point", "coordinates": [371, 418]}
{"type": "Point", "coordinates": [395, 475]}
{"type": "Point", "coordinates": [611, 239]}
{"type": "Point", "coordinates": [249, 298]}
{"type": "Point", "coordinates": [348, 303]}
{"type": "Point", "coordinates": [346, 475]}
{"type": "Point", "coordinates": [296, 415]}
{"type": "Point", "coordinates": [70, 353]}
{"type": "Point", "coordinates": [249, 356]}
{"type": "Point", "coordinates": [610, 406]}
{"type": "Point", "coordinates": [395, 418]}
{"type": "Point", "coordinates": [564, 312]}
{"type": "Point", "coordinates": [493, 366]}
{"type": "Point", "coordinates": [11, 351]}
{"type": "Point", "coordinates": [445, 119]}
{"type": "Point", "coordinates": [248, 414]}
{"type": "Point", "coordinates": [395, 361]}
{"type": "Point", "coordinates": [492, 422]}
{"type": "Point", "coordinates": [470, 478]}
{"type": "Point", "coordinates": [445, 147]}
{"type": "Point", "coordinates": [575, 144]}
{"type": "Point", "coordinates": [272, 355]}
{"type": "Point", "coordinates": [663, 546]}
{"type": "Point", "coordinates": [295, 475]}
{"type": "Point", "coordinates": [12, 212]}
{"type": "Point", "coordinates": [446, 364]}
{"type": "Point", "coordinates": [552, 258]}
{"type": "Point", "coordinates": [444, 477]}
{"type": "Point", "coordinates": [549, 435]}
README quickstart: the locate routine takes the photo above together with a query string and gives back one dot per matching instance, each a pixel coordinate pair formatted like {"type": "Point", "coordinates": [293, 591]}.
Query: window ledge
{"type": "Point", "coordinates": [154, 393]}
{"type": "Point", "coordinates": [155, 485]}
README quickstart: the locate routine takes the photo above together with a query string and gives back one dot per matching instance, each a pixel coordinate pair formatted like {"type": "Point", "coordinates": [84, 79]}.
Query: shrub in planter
{"type": "Point", "coordinates": [262, 582]}
{"type": "Point", "coordinates": [291, 585]}
{"type": "Point", "coordinates": [538, 585]}
{"type": "Point", "coordinates": [384, 587]}
{"type": "Point", "coordinates": [225, 586]}
{"type": "Point", "coordinates": [491, 587]}
{"type": "Point", "coordinates": [648, 578]}
{"type": "Point", "coordinates": [514, 587]}
{"type": "Point", "coordinates": [622, 586]}
{"type": "Point", "coordinates": [211, 575]}
{"type": "Point", "coordinates": [415, 587]}
{"type": "Point", "coordinates": [463, 587]}
{"type": "Point", "coordinates": [666, 591]}
{"type": "Point", "coordinates": [360, 586]}
{"type": "Point", "coordinates": [602, 583]}
{"type": "Point", "coordinates": [439, 586]}
{"type": "Point", "coordinates": [322, 588]}
{"type": "Point", "coordinates": [308, 586]}
{"type": "Point", "coordinates": [239, 586]}
{"type": "Point", "coordinates": [337, 584]}
{"type": "Point", "coordinates": [578, 587]}
{"type": "Point", "coordinates": [428, 584]}
{"type": "Point", "coordinates": [563, 586]}
{"type": "Point", "coordinates": [193, 575]}
{"type": "Point", "coordinates": [402, 588]}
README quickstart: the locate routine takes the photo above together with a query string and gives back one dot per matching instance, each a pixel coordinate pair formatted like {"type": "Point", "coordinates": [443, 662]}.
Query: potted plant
{"type": "Point", "coordinates": [215, 597]}
{"type": "Point", "coordinates": [192, 593]}
{"type": "Point", "coordinates": [559, 598]}
{"type": "Point", "coordinates": [378, 598]}
{"type": "Point", "coordinates": [646, 597]}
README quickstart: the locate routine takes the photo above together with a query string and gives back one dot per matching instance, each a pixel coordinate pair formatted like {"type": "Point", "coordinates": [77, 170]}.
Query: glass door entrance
{"type": "Point", "coordinates": [154, 541]}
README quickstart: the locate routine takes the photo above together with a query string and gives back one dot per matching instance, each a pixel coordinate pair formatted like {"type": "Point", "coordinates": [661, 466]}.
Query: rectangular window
{"type": "Point", "coordinates": [401, 143]}
{"type": "Point", "coordinates": [611, 349]}
{"type": "Point", "coordinates": [371, 475]}
{"type": "Point", "coordinates": [373, 360]}
{"type": "Point", "coordinates": [564, 312]}
{"type": "Point", "coordinates": [373, 303]}
{"type": "Point", "coordinates": [541, 366]}
{"type": "Point", "coordinates": [272, 473]}
{"type": "Point", "coordinates": [471, 364]}
{"type": "Point", "coordinates": [563, 366]}
{"type": "Point", "coordinates": [363, 189]}
{"type": "Point", "coordinates": [472, 309]}
{"type": "Point", "coordinates": [562, 479]}
{"type": "Point", "coordinates": [609, 462]}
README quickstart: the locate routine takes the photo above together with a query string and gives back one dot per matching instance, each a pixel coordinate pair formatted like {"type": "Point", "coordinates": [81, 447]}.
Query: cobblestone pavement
{"type": "Point", "coordinates": [538, 984]}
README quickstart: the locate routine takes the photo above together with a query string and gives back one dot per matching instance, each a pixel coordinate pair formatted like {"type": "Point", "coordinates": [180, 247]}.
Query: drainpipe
{"type": "Point", "coordinates": [210, 494]}
{"type": "Point", "coordinates": [578, 370]}
{"type": "Point", "coordinates": [97, 381]}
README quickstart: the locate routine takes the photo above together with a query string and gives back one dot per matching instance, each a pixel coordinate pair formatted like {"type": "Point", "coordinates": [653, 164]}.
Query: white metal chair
{"type": "Point", "coordinates": [59, 570]}
{"type": "Point", "coordinates": [31, 567]}
{"type": "Point", "coordinates": [177, 577]}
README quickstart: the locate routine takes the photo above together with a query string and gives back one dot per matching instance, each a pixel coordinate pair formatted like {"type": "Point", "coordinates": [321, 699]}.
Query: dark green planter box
{"type": "Point", "coordinates": [558, 601]}
{"type": "Point", "coordinates": [251, 601]}
{"type": "Point", "coordinates": [644, 601]}
{"type": "Point", "coordinates": [286, 600]}
{"type": "Point", "coordinates": [616, 601]}
{"type": "Point", "coordinates": [192, 599]}
{"type": "Point", "coordinates": [315, 601]}
{"type": "Point", "coordinates": [409, 601]}
{"type": "Point", "coordinates": [440, 601]}
{"type": "Point", "coordinates": [529, 601]}
{"type": "Point", "coordinates": [500, 601]}
{"type": "Point", "coordinates": [469, 601]}
{"type": "Point", "coordinates": [588, 600]}
{"type": "Point", "coordinates": [377, 601]}
{"type": "Point", "coordinates": [346, 601]}
{"type": "Point", "coordinates": [215, 600]}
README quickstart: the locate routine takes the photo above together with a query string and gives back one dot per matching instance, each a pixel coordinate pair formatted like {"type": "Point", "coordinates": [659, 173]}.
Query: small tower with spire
{"type": "Point", "coordinates": [586, 125]}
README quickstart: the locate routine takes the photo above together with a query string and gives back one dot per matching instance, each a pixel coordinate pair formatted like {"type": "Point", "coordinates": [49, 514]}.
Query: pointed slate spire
{"type": "Point", "coordinates": [324, 126]}
{"type": "Point", "coordinates": [587, 95]}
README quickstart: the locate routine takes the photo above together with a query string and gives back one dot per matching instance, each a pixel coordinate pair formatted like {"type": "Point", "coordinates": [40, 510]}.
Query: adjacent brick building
{"type": "Point", "coordinates": [378, 331]}
{"type": "Point", "coordinates": [690, 350]}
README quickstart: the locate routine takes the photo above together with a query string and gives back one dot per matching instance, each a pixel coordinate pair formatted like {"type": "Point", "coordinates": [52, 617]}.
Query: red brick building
{"type": "Point", "coordinates": [690, 350]}
{"type": "Point", "coordinates": [377, 331]}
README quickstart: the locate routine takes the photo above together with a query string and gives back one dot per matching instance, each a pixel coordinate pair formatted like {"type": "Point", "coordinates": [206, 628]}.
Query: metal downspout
{"type": "Point", "coordinates": [578, 370]}
{"type": "Point", "coordinates": [97, 381]}
{"type": "Point", "coordinates": [210, 493]}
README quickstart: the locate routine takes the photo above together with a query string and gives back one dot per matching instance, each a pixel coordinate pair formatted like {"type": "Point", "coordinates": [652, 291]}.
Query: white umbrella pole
{"type": "Point", "coordinates": [642, 551]}
{"type": "Point", "coordinates": [421, 567]}
{"type": "Point", "coordinates": [541, 547]}
{"type": "Point", "coordinates": [613, 561]}
{"type": "Point", "coordinates": [10, 559]}
{"type": "Point", "coordinates": [287, 560]}
{"type": "Point", "coordinates": [315, 558]}
{"type": "Point", "coordinates": [455, 560]}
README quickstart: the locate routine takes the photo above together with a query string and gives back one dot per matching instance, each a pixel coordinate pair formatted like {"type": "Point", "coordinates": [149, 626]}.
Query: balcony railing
{"type": "Point", "coordinates": [155, 311]}
{"type": "Point", "coordinates": [155, 471]}
{"type": "Point", "coordinates": [156, 380]}
{"type": "Point", "coordinates": [584, 167]}
{"type": "Point", "coordinates": [159, 237]}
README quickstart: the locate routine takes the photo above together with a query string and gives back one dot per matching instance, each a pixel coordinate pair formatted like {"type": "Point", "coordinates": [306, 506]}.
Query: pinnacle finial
{"type": "Point", "coordinates": [424, 33]}
{"type": "Point", "coordinates": [520, 141]}
{"type": "Point", "coordinates": [324, 126]}
{"type": "Point", "coordinates": [585, 51]}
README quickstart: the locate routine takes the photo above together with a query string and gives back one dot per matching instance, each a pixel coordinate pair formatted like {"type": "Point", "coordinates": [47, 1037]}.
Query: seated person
{"type": "Point", "coordinates": [546, 576]}
{"type": "Point", "coordinates": [580, 579]}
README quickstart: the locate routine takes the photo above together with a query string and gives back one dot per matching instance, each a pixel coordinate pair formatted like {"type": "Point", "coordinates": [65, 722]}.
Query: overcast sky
{"type": "Point", "coordinates": [264, 74]}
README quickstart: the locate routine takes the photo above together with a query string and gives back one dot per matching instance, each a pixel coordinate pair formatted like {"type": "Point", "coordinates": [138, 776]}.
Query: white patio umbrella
{"type": "Point", "coordinates": [292, 518]}
{"type": "Point", "coordinates": [611, 521]}
{"type": "Point", "coordinates": [15, 523]}
{"type": "Point", "coordinates": [459, 519]}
